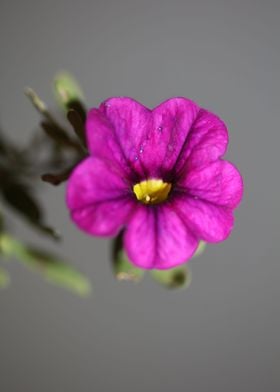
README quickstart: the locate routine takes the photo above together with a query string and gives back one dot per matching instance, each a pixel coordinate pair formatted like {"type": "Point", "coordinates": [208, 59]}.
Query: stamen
{"type": "Point", "coordinates": [152, 191]}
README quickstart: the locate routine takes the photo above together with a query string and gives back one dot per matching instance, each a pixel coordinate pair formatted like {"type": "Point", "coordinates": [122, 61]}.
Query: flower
{"type": "Point", "coordinates": [157, 174]}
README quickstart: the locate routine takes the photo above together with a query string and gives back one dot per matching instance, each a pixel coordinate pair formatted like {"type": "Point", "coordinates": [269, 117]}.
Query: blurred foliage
{"type": "Point", "coordinates": [123, 269]}
{"type": "Point", "coordinates": [4, 278]}
{"type": "Point", "coordinates": [49, 266]}
{"type": "Point", "coordinates": [51, 155]}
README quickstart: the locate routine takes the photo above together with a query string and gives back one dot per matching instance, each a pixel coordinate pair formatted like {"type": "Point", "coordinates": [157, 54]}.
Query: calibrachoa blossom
{"type": "Point", "coordinates": [157, 174]}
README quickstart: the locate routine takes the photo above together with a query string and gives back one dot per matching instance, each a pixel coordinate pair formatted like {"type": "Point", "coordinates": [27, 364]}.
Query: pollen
{"type": "Point", "coordinates": [152, 191]}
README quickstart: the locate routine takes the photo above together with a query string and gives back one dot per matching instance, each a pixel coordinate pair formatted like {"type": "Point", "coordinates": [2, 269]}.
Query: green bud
{"type": "Point", "coordinates": [179, 277]}
{"type": "Point", "coordinates": [67, 90]}
{"type": "Point", "coordinates": [124, 270]}
{"type": "Point", "coordinates": [200, 249]}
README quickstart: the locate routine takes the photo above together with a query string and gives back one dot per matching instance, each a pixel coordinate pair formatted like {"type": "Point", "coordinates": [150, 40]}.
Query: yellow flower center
{"type": "Point", "coordinates": [152, 191]}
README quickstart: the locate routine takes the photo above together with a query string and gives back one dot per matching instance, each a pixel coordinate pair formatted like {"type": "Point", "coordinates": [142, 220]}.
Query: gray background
{"type": "Point", "coordinates": [222, 334]}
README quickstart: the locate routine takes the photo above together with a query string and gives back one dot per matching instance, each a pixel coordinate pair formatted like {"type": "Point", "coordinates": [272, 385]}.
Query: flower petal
{"type": "Point", "coordinates": [162, 145]}
{"type": "Point", "coordinates": [219, 183]}
{"type": "Point", "coordinates": [156, 237]}
{"type": "Point", "coordinates": [98, 197]}
{"type": "Point", "coordinates": [206, 142]}
{"type": "Point", "coordinates": [140, 141]}
{"type": "Point", "coordinates": [115, 131]}
{"type": "Point", "coordinates": [209, 222]}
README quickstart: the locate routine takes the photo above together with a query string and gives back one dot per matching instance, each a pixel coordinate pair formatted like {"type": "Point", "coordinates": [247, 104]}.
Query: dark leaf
{"type": "Point", "coordinates": [55, 179]}
{"type": "Point", "coordinates": [78, 125]}
{"type": "Point", "coordinates": [19, 197]}
{"type": "Point", "coordinates": [79, 108]}
{"type": "Point", "coordinates": [59, 135]}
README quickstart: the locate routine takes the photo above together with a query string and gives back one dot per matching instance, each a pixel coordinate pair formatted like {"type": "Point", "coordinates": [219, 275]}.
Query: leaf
{"type": "Point", "coordinates": [47, 230]}
{"type": "Point", "coordinates": [59, 135]}
{"type": "Point", "coordinates": [78, 107]}
{"type": "Point", "coordinates": [56, 179]}
{"type": "Point", "coordinates": [36, 101]}
{"type": "Point", "coordinates": [4, 278]}
{"type": "Point", "coordinates": [50, 125]}
{"type": "Point", "coordinates": [67, 277]}
{"type": "Point", "coordinates": [179, 277]}
{"type": "Point", "coordinates": [78, 125]}
{"type": "Point", "coordinates": [123, 268]}
{"type": "Point", "coordinates": [49, 266]}
{"type": "Point", "coordinates": [19, 197]}
{"type": "Point", "coordinates": [5, 146]}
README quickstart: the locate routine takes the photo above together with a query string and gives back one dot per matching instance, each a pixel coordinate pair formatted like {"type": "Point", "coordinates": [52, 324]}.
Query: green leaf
{"type": "Point", "coordinates": [4, 279]}
{"type": "Point", "coordinates": [179, 277]}
{"type": "Point", "coordinates": [36, 101]}
{"type": "Point", "coordinates": [49, 266]}
{"type": "Point", "coordinates": [65, 276]}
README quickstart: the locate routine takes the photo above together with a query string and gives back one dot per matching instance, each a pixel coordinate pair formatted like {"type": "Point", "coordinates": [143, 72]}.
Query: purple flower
{"type": "Point", "coordinates": [159, 175]}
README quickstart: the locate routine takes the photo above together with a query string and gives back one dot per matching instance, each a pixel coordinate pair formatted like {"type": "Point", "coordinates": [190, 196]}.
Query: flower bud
{"type": "Point", "coordinates": [124, 270]}
{"type": "Point", "coordinates": [67, 90]}
{"type": "Point", "coordinates": [179, 277]}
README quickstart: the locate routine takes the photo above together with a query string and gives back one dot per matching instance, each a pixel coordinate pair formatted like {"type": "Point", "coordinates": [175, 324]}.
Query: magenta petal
{"type": "Point", "coordinates": [158, 238]}
{"type": "Point", "coordinates": [139, 140]}
{"type": "Point", "coordinates": [171, 123]}
{"type": "Point", "coordinates": [207, 141]}
{"type": "Point", "coordinates": [209, 222]}
{"type": "Point", "coordinates": [98, 198]}
{"type": "Point", "coordinates": [115, 132]}
{"type": "Point", "coordinates": [219, 183]}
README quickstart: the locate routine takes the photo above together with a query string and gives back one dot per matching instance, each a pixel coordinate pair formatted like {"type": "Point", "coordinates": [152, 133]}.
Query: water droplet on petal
{"type": "Point", "coordinates": [170, 147]}
{"type": "Point", "coordinates": [160, 129]}
{"type": "Point", "coordinates": [136, 158]}
{"type": "Point", "coordinates": [141, 149]}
